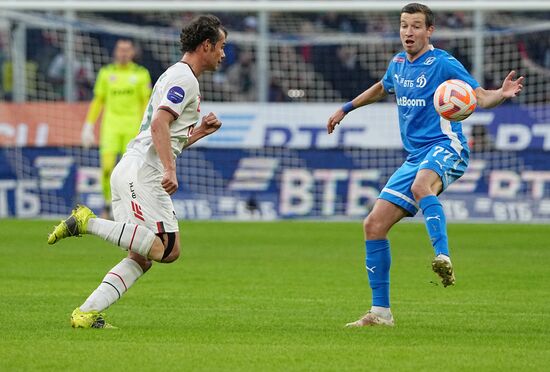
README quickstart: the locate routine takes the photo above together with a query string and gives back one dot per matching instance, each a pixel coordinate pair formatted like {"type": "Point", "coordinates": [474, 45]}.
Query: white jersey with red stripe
{"type": "Point", "coordinates": [176, 91]}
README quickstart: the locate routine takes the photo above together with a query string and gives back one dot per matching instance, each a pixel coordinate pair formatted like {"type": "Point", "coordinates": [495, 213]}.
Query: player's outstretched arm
{"type": "Point", "coordinates": [491, 98]}
{"type": "Point", "coordinates": [209, 124]}
{"type": "Point", "coordinates": [375, 93]}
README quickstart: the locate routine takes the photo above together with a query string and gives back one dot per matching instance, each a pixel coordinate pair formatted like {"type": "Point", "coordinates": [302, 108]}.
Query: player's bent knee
{"type": "Point", "coordinates": [419, 190]}
{"type": "Point", "coordinates": [173, 256]}
{"type": "Point", "coordinates": [157, 249]}
{"type": "Point", "coordinates": [374, 228]}
{"type": "Point", "coordinates": [171, 247]}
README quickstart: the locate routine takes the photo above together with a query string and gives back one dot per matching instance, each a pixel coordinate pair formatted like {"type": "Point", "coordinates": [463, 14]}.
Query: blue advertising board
{"type": "Point", "coordinates": [273, 182]}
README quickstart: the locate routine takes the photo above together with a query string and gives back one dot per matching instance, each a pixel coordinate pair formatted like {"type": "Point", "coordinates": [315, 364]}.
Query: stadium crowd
{"type": "Point", "coordinates": [323, 71]}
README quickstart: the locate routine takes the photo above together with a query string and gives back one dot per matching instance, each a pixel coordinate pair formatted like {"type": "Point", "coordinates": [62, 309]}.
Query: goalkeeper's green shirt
{"type": "Point", "coordinates": [124, 92]}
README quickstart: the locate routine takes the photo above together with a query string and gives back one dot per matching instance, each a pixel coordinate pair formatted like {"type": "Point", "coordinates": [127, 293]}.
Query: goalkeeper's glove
{"type": "Point", "coordinates": [88, 137]}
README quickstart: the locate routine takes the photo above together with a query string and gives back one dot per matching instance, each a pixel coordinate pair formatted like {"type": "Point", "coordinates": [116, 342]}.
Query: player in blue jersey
{"type": "Point", "coordinates": [437, 151]}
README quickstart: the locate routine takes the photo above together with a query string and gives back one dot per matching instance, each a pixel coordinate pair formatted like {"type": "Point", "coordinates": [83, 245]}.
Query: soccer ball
{"type": "Point", "coordinates": [454, 100]}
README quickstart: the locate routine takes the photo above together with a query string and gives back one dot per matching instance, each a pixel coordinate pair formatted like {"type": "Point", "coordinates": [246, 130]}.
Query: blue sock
{"type": "Point", "coordinates": [378, 268]}
{"type": "Point", "coordinates": [435, 223]}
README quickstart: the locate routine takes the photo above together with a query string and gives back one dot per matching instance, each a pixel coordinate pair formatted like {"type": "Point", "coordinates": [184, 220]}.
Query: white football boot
{"type": "Point", "coordinates": [442, 266]}
{"type": "Point", "coordinates": [372, 319]}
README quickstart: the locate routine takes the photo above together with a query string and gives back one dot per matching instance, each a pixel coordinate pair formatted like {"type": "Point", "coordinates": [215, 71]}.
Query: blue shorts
{"type": "Point", "coordinates": [442, 159]}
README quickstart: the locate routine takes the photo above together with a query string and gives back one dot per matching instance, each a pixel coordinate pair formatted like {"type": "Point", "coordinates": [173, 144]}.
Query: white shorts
{"type": "Point", "coordinates": [139, 198]}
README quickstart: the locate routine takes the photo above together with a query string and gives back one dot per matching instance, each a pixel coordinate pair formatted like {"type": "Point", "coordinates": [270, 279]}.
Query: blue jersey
{"type": "Point", "coordinates": [414, 84]}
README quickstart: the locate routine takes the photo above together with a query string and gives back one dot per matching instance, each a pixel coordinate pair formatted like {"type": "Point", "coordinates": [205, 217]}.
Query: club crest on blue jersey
{"type": "Point", "coordinates": [429, 60]}
{"type": "Point", "coordinates": [176, 94]}
{"type": "Point", "coordinates": [421, 81]}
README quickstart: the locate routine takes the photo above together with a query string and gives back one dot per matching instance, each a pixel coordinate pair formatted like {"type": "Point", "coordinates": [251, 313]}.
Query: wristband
{"type": "Point", "coordinates": [348, 107]}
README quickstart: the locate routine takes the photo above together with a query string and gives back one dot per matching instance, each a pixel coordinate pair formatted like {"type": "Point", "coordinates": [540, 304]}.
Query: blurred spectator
{"type": "Point", "coordinates": [83, 71]}
{"type": "Point", "coordinates": [276, 92]}
{"type": "Point", "coordinates": [6, 73]}
{"type": "Point", "coordinates": [381, 25]}
{"type": "Point", "coordinates": [346, 75]}
{"type": "Point", "coordinates": [339, 22]}
{"type": "Point", "coordinates": [4, 58]}
{"type": "Point", "coordinates": [454, 20]}
{"type": "Point", "coordinates": [306, 29]}
{"type": "Point", "coordinates": [480, 140]}
{"type": "Point", "coordinates": [535, 47]}
{"type": "Point", "coordinates": [459, 53]}
{"type": "Point", "coordinates": [250, 24]}
{"type": "Point", "coordinates": [242, 76]}
{"type": "Point", "coordinates": [231, 52]}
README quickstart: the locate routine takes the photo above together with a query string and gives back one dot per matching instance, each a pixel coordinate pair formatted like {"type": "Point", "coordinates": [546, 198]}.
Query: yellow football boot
{"type": "Point", "coordinates": [91, 319]}
{"type": "Point", "coordinates": [75, 225]}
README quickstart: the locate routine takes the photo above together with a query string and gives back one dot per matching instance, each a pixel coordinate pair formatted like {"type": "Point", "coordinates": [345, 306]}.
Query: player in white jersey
{"type": "Point", "coordinates": [142, 182]}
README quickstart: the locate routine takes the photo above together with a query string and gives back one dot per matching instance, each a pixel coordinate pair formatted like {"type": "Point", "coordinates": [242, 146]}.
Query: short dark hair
{"type": "Point", "coordinates": [201, 28]}
{"type": "Point", "coordinates": [420, 8]}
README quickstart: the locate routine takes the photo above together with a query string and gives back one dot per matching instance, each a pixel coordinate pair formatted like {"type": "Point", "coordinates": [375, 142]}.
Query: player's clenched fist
{"type": "Point", "coordinates": [169, 181]}
{"type": "Point", "coordinates": [334, 120]}
{"type": "Point", "coordinates": [211, 123]}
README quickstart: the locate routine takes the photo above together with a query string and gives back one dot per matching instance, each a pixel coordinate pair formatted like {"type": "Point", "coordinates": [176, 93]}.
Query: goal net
{"type": "Point", "coordinates": [283, 76]}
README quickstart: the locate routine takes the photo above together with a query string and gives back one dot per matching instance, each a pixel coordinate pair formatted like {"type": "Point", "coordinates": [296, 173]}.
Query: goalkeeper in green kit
{"type": "Point", "coordinates": [121, 92]}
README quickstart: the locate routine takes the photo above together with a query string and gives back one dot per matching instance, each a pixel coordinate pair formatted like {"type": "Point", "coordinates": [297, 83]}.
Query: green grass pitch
{"type": "Point", "coordinates": [275, 296]}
